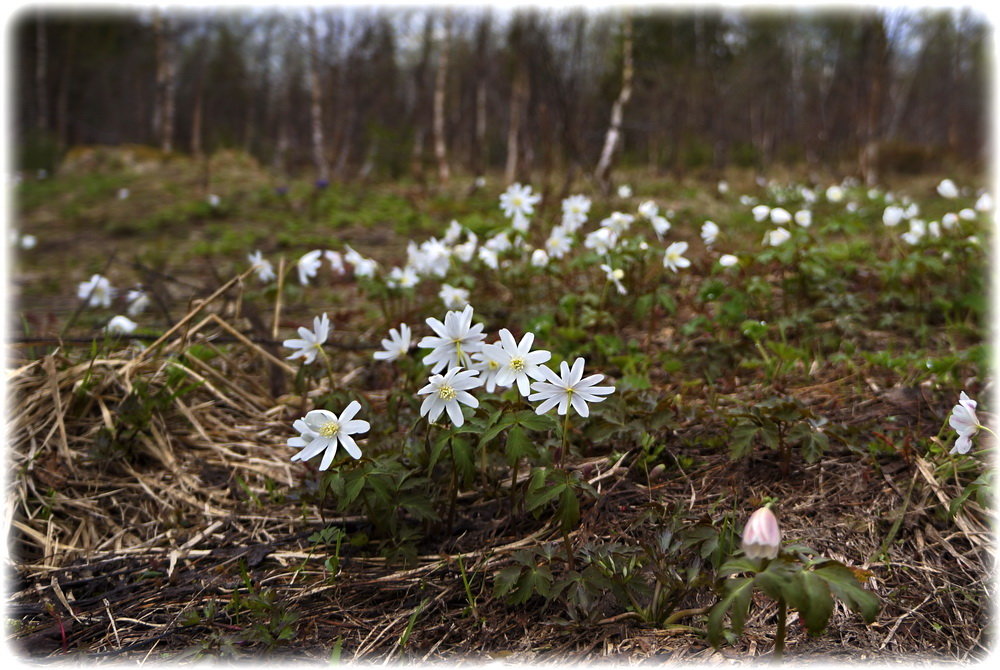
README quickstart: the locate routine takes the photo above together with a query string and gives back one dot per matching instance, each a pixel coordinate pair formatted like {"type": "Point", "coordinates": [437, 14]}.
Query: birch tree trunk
{"type": "Point", "coordinates": [315, 107]}
{"type": "Point", "coordinates": [613, 137]}
{"type": "Point", "coordinates": [440, 82]}
{"type": "Point", "coordinates": [518, 94]}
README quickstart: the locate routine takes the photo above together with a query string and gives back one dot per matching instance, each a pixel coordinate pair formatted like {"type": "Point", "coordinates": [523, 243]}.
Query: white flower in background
{"type": "Point", "coordinates": [455, 341]}
{"type": "Point", "coordinates": [615, 276]}
{"type": "Point", "coordinates": [973, 240]}
{"type": "Point", "coordinates": [453, 232]}
{"type": "Point", "coordinates": [123, 194]}
{"type": "Point", "coordinates": [28, 242]}
{"type": "Point", "coordinates": [518, 199]}
{"type": "Point", "coordinates": [893, 215]}
{"type": "Point", "coordinates": [214, 200]}
{"type": "Point", "coordinates": [499, 243]}
{"type": "Point", "coordinates": [517, 361]}
{"type": "Point", "coordinates": [308, 266]}
{"type": "Point", "coordinates": [396, 346]}
{"type": "Point", "coordinates": [120, 325]}
{"type": "Point", "coordinates": [539, 258]}
{"type": "Point", "coordinates": [761, 535]}
{"type": "Point", "coordinates": [934, 229]}
{"type": "Point", "coordinates": [760, 212]}
{"type": "Point", "coordinates": [480, 182]}
{"type": "Point", "coordinates": [851, 207]}
{"type": "Point", "coordinates": [709, 232]}
{"type": "Point", "coordinates": [747, 200]}
{"type": "Point", "coordinates": [963, 419]}
{"type": "Point", "coordinates": [520, 223]}
{"type": "Point", "coordinates": [489, 257]}
{"type": "Point", "coordinates": [624, 191]}
{"type": "Point", "coordinates": [569, 388]}
{"type": "Point", "coordinates": [363, 267]}
{"type": "Point", "coordinates": [262, 266]}
{"type": "Point", "coordinates": [804, 218]}
{"type": "Point", "coordinates": [618, 222]}
{"type": "Point", "coordinates": [322, 431]}
{"type": "Point", "coordinates": [310, 342]}
{"type": "Point", "coordinates": [402, 278]}
{"type": "Point", "coordinates": [912, 210]}
{"type": "Point", "coordinates": [660, 226]}
{"type": "Point", "coordinates": [777, 237]}
{"type": "Point", "coordinates": [335, 260]}
{"type": "Point", "coordinates": [558, 243]}
{"type": "Point", "coordinates": [984, 203]}
{"type": "Point", "coordinates": [967, 214]}
{"type": "Point", "coordinates": [575, 209]}
{"type": "Point", "coordinates": [947, 189]}
{"type": "Point", "coordinates": [723, 187]}
{"type": "Point", "coordinates": [949, 220]}
{"type": "Point", "coordinates": [453, 297]}
{"type": "Point", "coordinates": [834, 193]}
{"type": "Point", "coordinates": [673, 258]}
{"type": "Point", "coordinates": [918, 228]}
{"type": "Point", "coordinates": [466, 250]}
{"type": "Point", "coordinates": [137, 301]}
{"type": "Point", "coordinates": [780, 216]}
{"type": "Point", "coordinates": [445, 392]}
{"type": "Point", "coordinates": [728, 260]}
{"type": "Point", "coordinates": [808, 195]}
{"type": "Point", "coordinates": [97, 291]}
{"type": "Point", "coordinates": [602, 240]}
{"type": "Point", "coordinates": [648, 209]}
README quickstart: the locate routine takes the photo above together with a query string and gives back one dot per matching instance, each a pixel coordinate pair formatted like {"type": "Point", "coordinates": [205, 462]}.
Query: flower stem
{"type": "Point", "coordinates": [779, 634]}
{"type": "Point", "coordinates": [565, 441]}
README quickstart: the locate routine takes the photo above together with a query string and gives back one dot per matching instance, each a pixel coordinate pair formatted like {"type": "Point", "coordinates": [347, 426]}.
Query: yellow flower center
{"type": "Point", "coordinates": [329, 429]}
{"type": "Point", "coordinates": [492, 365]}
{"type": "Point", "coordinates": [446, 392]}
{"type": "Point", "coordinates": [517, 364]}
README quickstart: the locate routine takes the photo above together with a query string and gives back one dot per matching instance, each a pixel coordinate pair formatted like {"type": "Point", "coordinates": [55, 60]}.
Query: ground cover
{"type": "Point", "coordinates": [155, 511]}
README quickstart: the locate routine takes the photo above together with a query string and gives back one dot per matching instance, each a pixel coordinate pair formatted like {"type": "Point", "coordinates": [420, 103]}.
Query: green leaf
{"type": "Point", "coordinates": [848, 589]}
{"type": "Point", "coordinates": [819, 604]}
{"type": "Point", "coordinates": [737, 599]}
{"type": "Point", "coordinates": [518, 445]}
{"type": "Point", "coordinates": [505, 580]}
{"type": "Point", "coordinates": [741, 440]}
{"type": "Point", "coordinates": [569, 509]}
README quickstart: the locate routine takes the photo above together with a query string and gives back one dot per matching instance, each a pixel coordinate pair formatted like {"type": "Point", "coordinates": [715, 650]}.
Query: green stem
{"type": "Point", "coordinates": [565, 441]}
{"type": "Point", "coordinates": [779, 635]}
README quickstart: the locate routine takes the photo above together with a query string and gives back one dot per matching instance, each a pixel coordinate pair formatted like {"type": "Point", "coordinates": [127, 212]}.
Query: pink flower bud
{"type": "Point", "coordinates": [761, 535]}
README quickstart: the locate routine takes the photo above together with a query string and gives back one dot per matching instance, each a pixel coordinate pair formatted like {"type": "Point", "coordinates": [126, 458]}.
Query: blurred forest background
{"type": "Point", "coordinates": [427, 93]}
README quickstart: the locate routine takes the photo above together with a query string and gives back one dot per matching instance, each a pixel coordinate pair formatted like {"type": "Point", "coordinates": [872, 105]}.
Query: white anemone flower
{"type": "Point", "coordinates": [601, 240]}
{"type": "Point", "coordinates": [568, 388]}
{"type": "Point", "coordinates": [402, 278]}
{"type": "Point", "coordinates": [499, 243]}
{"type": "Point", "coordinates": [308, 266]}
{"type": "Point", "coordinates": [311, 341]}
{"type": "Point", "coordinates": [137, 301]}
{"type": "Point", "coordinates": [446, 392]}
{"type": "Point", "coordinates": [760, 212]}
{"type": "Point", "coordinates": [120, 325]}
{"type": "Point", "coordinates": [615, 276]}
{"type": "Point", "coordinates": [489, 257]}
{"type": "Point", "coordinates": [558, 243]}
{"type": "Point", "coordinates": [575, 209]}
{"type": "Point", "coordinates": [517, 361]}
{"type": "Point", "coordinates": [488, 362]}
{"type": "Point", "coordinates": [777, 237]}
{"type": "Point", "coordinates": [624, 191]}
{"type": "Point", "coordinates": [804, 218]}
{"type": "Point", "coordinates": [728, 260]}
{"type": "Point", "coordinates": [780, 216]}
{"type": "Point", "coordinates": [336, 261]}
{"type": "Point", "coordinates": [984, 203]}
{"type": "Point", "coordinates": [834, 193]}
{"type": "Point", "coordinates": [761, 536]}
{"type": "Point", "coordinates": [893, 215]}
{"type": "Point", "coordinates": [618, 222]}
{"type": "Point", "coordinates": [648, 209]}
{"type": "Point", "coordinates": [709, 232]}
{"type": "Point", "coordinates": [967, 214]}
{"type": "Point", "coordinates": [262, 266]}
{"type": "Point", "coordinates": [673, 258]}
{"type": "Point", "coordinates": [453, 232]}
{"type": "Point", "coordinates": [454, 341]}
{"type": "Point", "coordinates": [97, 292]}
{"type": "Point", "coordinates": [539, 258]}
{"type": "Point", "coordinates": [322, 431]}
{"type": "Point", "coordinates": [947, 189]}
{"type": "Point", "coordinates": [660, 226]}
{"type": "Point", "coordinates": [518, 199]}
{"type": "Point", "coordinates": [453, 297]}
{"type": "Point", "coordinates": [396, 346]}
{"type": "Point", "coordinates": [963, 419]}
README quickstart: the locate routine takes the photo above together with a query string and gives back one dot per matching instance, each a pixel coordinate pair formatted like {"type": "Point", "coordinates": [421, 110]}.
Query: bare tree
{"type": "Point", "coordinates": [440, 82]}
{"type": "Point", "coordinates": [613, 137]}
{"type": "Point", "coordinates": [315, 107]}
{"type": "Point", "coordinates": [163, 111]}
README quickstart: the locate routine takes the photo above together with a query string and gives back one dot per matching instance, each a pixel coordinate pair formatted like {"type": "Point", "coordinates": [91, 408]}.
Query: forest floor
{"type": "Point", "coordinates": [154, 512]}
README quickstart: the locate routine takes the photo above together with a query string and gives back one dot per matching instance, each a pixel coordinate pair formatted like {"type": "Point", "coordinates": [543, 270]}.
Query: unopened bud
{"type": "Point", "coordinates": [761, 535]}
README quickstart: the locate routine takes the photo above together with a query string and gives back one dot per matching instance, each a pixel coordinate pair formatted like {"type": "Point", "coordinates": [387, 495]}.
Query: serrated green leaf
{"type": "Point", "coordinates": [518, 445]}
{"type": "Point", "coordinates": [738, 591]}
{"type": "Point", "coordinates": [848, 589]}
{"type": "Point", "coordinates": [819, 603]}
{"type": "Point", "coordinates": [569, 509]}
